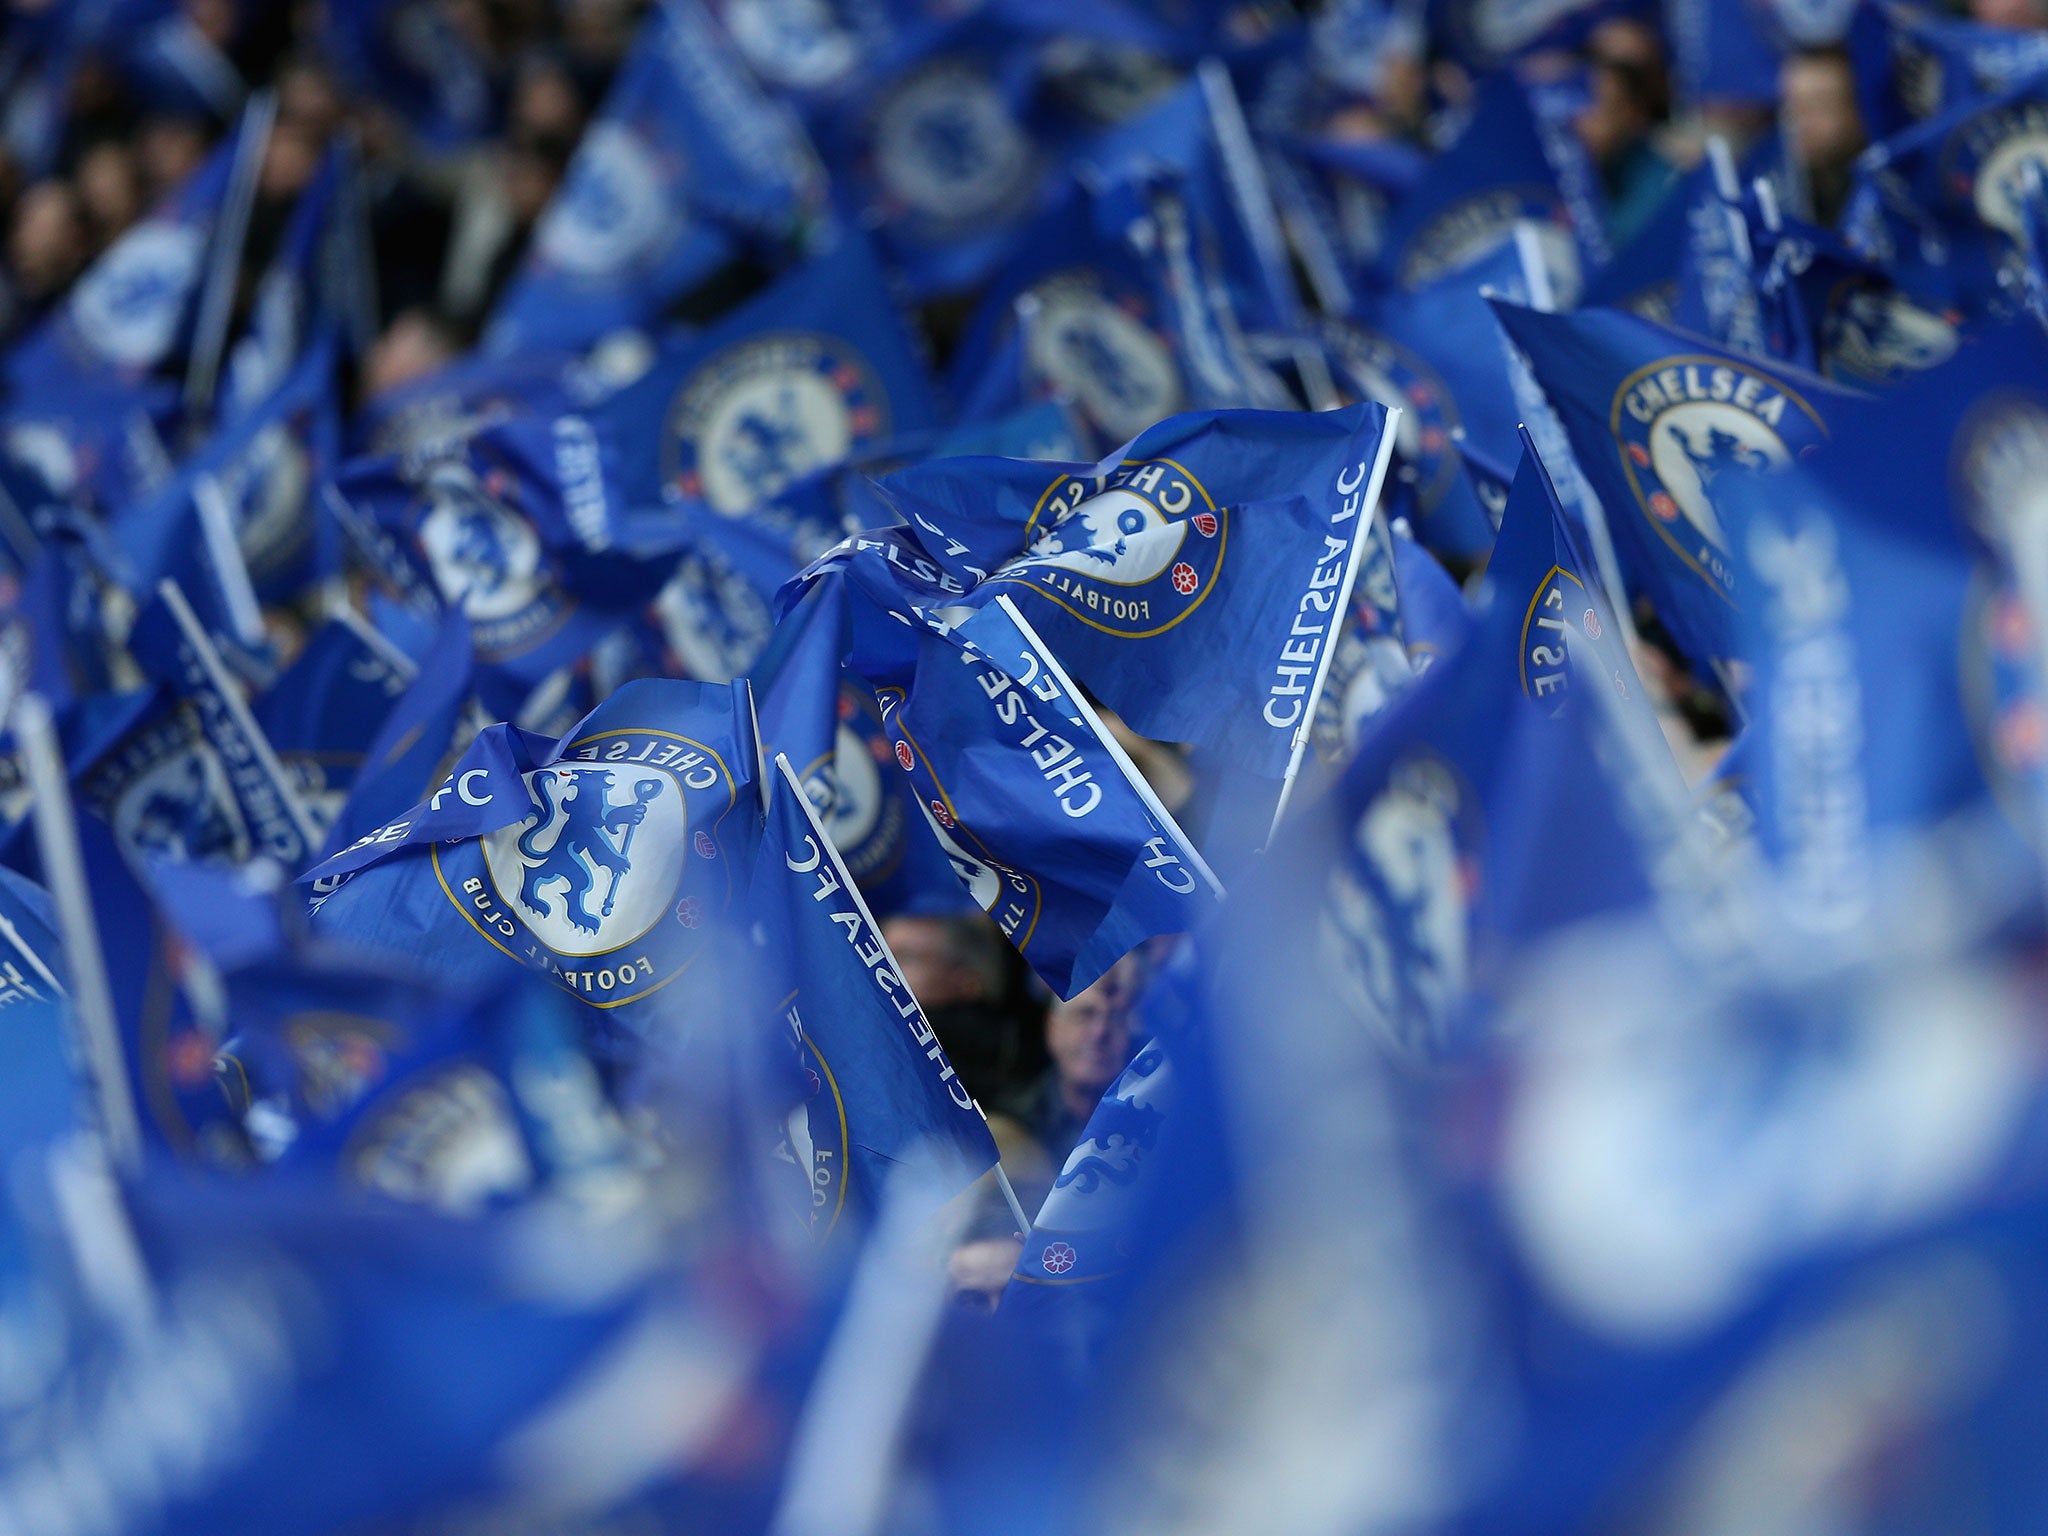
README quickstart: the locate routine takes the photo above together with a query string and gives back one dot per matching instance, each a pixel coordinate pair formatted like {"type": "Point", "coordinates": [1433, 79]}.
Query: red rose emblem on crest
{"type": "Point", "coordinates": [1184, 578]}
{"type": "Point", "coordinates": [706, 849]}
{"type": "Point", "coordinates": [1640, 454]}
{"type": "Point", "coordinates": [1058, 1258]}
{"type": "Point", "coordinates": [1205, 524]}
{"type": "Point", "coordinates": [941, 815]}
{"type": "Point", "coordinates": [1664, 507]}
{"type": "Point", "coordinates": [689, 911]}
{"type": "Point", "coordinates": [903, 756]}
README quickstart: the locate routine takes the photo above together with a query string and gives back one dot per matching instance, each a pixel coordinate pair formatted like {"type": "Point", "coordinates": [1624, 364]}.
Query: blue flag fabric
{"type": "Point", "coordinates": [605, 860]}
{"type": "Point", "coordinates": [1657, 419]}
{"type": "Point", "coordinates": [1541, 585]}
{"type": "Point", "coordinates": [327, 708]}
{"type": "Point", "coordinates": [686, 156]}
{"type": "Point", "coordinates": [1891, 584]}
{"type": "Point", "coordinates": [1496, 176]}
{"type": "Point", "coordinates": [1435, 618]}
{"type": "Point", "coordinates": [197, 779]}
{"type": "Point", "coordinates": [887, 1101]}
{"type": "Point", "coordinates": [524, 527]}
{"type": "Point", "coordinates": [1193, 579]}
{"type": "Point", "coordinates": [1045, 823]}
{"type": "Point", "coordinates": [809, 372]}
{"type": "Point", "coordinates": [132, 310]}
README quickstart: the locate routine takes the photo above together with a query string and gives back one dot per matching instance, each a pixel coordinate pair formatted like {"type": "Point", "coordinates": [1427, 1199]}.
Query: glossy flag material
{"type": "Point", "coordinates": [811, 371]}
{"type": "Point", "coordinates": [605, 860]}
{"type": "Point", "coordinates": [1194, 579]}
{"type": "Point", "coordinates": [1660, 422]}
{"type": "Point", "coordinates": [686, 158]}
{"type": "Point", "coordinates": [885, 1096]}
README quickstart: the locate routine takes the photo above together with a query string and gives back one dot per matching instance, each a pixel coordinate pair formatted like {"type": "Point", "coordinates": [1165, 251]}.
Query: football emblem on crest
{"type": "Point", "coordinates": [948, 149]}
{"type": "Point", "coordinates": [1686, 425]}
{"type": "Point", "coordinates": [570, 867]}
{"type": "Point", "coordinates": [766, 412]}
{"type": "Point", "coordinates": [1115, 551]}
{"type": "Point", "coordinates": [1089, 345]}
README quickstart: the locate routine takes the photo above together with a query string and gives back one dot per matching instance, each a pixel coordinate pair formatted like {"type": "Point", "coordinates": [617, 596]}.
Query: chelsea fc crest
{"type": "Point", "coordinates": [486, 555]}
{"type": "Point", "coordinates": [1131, 553]}
{"type": "Point", "coordinates": [766, 412]}
{"type": "Point", "coordinates": [1378, 369]}
{"type": "Point", "coordinates": [1102, 348]}
{"type": "Point", "coordinates": [1682, 424]}
{"type": "Point", "coordinates": [129, 306]}
{"type": "Point", "coordinates": [1984, 163]}
{"type": "Point", "coordinates": [615, 214]}
{"type": "Point", "coordinates": [949, 152]}
{"type": "Point", "coordinates": [602, 885]}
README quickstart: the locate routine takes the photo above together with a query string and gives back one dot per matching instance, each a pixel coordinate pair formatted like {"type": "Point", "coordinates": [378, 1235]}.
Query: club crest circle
{"type": "Point", "coordinates": [1682, 424]}
{"type": "Point", "coordinates": [766, 412]}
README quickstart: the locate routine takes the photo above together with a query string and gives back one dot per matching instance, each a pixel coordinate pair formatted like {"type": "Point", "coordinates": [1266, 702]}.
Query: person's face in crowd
{"type": "Point", "coordinates": [411, 347]}
{"type": "Point", "coordinates": [289, 161]}
{"type": "Point", "coordinates": [2022, 15]}
{"type": "Point", "coordinates": [546, 106]}
{"type": "Point", "coordinates": [307, 100]}
{"type": "Point", "coordinates": [1625, 57]}
{"type": "Point", "coordinates": [110, 186]}
{"type": "Point", "coordinates": [171, 150]}
{"type": "Point", "coordinates": [1089, 1038]}
{"type": "Point", "coordinates": [924, 957]}
{"type": "Point", "coordinates": [214, 20]}
{"type": "Point", "coordinates": [1822, 122]}
{"type": "Point", "coordinates": [530, 180]}
{"type": "Point", "coordinates": [46, 245]}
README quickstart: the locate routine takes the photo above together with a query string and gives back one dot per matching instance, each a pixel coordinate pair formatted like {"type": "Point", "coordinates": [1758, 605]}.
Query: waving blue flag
{"type": "Point", "coordinates": [605, 860]}
{"type": "Point", "coordinates": [1050, 829]}
{"type": "Point", "coordinates": [1660, 422]}
{"type": "Point", "coordinates": [1895, 620]}
{"type": "Point", "coordinates": [686, 155]}
{"type": "Point", "coordinates": [1495, 176]}
{"type": "Point", "coordinates": [1195, 579]}
{"type": "Point", "coordinates": [133, 309]}
{"type": "Point", "coordinates": [807, 373]}
{"type": "Point", "coordinates": [886, 1097]}
{"type": "Point", "coordinates": [328, 707]}
{"type": "Point", "coordinates": [524, 527]}
{"type": "Point", "coordinates": [197, 778]}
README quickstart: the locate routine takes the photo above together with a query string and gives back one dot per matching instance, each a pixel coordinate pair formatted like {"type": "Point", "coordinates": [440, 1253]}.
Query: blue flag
{"type": "Point", "coordinates": [1658, 421]}
{"type": "Point", "coordinates": [197, 779]}
{"type": "Point", "coordinates": [605, 860]}
{"type": "Point", "coordinates": [1194, 579]}
{"type": "Point", "coordinates": [886, 1100]}
{"type": "Point", "coordinates": [327, 708]}
{"type": "Point", "coordinates": [1047, 825]}
{"type": "Point", "coordinates": [811, 371]}
{"type": "Point", "coordinates": [133, 309]}
{"type": "Point", "coordinates": [686, 155]}
{"type": "Point", "coordinates": [524, 527]}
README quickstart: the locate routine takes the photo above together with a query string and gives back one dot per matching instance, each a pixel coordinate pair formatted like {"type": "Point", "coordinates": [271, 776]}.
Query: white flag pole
{"type": "Point", "coordinates": [1359, 534]}
{"type": "Point", "coordinates": [91, 997]}
{"type": "Point", "coordinates": [231, 233]}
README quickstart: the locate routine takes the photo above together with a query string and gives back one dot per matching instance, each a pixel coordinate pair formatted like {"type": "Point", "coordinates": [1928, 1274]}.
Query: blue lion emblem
{"type": "Point", "coordinates": [584, 844]}
{"type": "Point", "coordinates": [1093, 532]}
{"type": "Point", "coordinates": [184, 820]}
{"type": "Point", "coordinates": [1120, 1132]}
{"type": "Point", "coordinates": [769, 451]}
{"type": "Point", "coordinates": [1724, 451]}
{"type": "Point", "coordinates": [479, 551]}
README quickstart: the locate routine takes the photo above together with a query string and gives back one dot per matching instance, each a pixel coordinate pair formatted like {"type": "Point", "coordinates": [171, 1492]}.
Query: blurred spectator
{"type": "Point", "coordinates": [171, 148]}
{"type": "Point", "coordinates": [413, 345]}
{"type": "Point", "coordinates": [2023, 15]}
{"type": "Point", "coordinates": [110, 191]}
{"type": "Point", "coordinates": [547, 107]}
{"type": "Point", "coordinates": [1824, 130]}
{"type": "Point", "coordinates": [46, 246]}
{"type": "Point", "coordinates": [308, 99]}
{"type": "Point", "coordinates": [959, 967]}
{"type": "Point", "coordinates": [1089, 1039]}
{"type": "Point", "coordinates": [500, 201]}
{"type": "Point", "coordinates": [1631, 97]}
